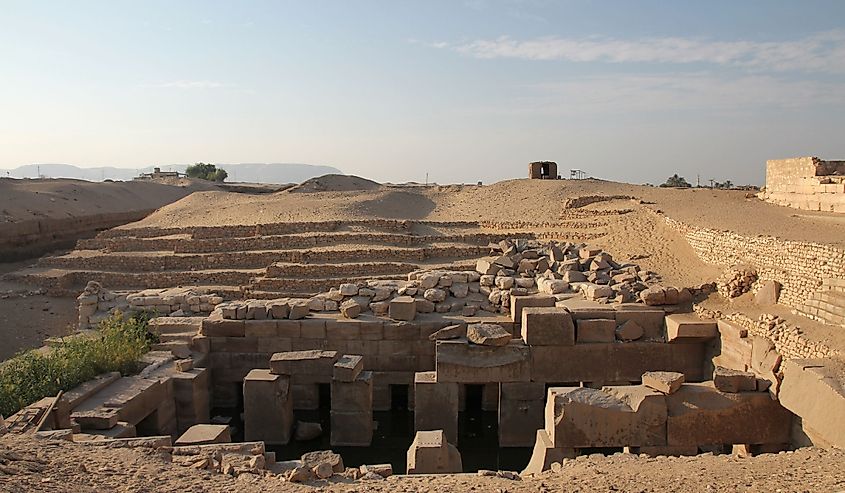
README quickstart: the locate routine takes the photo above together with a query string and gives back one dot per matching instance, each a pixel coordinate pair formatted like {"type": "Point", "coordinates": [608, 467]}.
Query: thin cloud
{"type": "Point", "coordinates": [819, 52]}
{"type": "Point", "coordinates": [639, 94]}
{"type": "Point", "coordinates": [189, 84]}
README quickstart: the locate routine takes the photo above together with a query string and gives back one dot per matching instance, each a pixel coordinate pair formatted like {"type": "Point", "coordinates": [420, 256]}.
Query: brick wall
{"type": "Point", "coordinates": [800, 267]}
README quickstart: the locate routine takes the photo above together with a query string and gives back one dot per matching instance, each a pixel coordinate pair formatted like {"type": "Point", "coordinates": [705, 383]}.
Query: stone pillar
{"type": "Point", "coordinates": [191, 394]}
{"type": "Point", "coordinates": [545, 453]}
{"type": "Point", "coordinates": [268, 407]}
{"type": "Point", "coordinates": [352, 411]}
{"type": "Point", "coordinates": [436, 405]}
{"type": "Point", "coordinates": [521, 413]}
{"type": "Point", "coordinates": [431, 453]}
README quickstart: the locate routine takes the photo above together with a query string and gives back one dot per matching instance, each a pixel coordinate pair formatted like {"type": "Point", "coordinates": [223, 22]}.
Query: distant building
{"type": "Point", "coordinates": [158, 173]}
{"type": "Point", "coordinates": [542, 170]}
{"type": "Point", "coordinates": [806, 183]}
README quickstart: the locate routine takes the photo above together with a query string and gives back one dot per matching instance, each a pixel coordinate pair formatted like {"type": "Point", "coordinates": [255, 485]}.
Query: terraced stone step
{"type": "Point", "coordinates": [68, 280]}
{"type": "Point", "coordinates": [281, 228]}
{"type": "Point", "coordinates": [837, 285]}
{"type": "Point", "coordinates": [163, 261]}
{"type": "Point", "coordinates": [284, 242]}
{"type": "Point", "coordinates": [826, 306]}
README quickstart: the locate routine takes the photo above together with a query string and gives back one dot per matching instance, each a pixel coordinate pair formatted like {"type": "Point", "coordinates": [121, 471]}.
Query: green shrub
{"type": "Point", "coordinates": [33, 375]}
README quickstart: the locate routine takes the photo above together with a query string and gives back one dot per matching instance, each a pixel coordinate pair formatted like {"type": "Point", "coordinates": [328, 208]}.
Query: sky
{"type": "Point", "coordinates": [393, 90]}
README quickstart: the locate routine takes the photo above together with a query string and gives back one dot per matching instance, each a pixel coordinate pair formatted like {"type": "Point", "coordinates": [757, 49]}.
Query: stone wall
{"type": "Point", "coordinates": [800, 267]}
{"type": "Point", "coordinates": [806, 183]}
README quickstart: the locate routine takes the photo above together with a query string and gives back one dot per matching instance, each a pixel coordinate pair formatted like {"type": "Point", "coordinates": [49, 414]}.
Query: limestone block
{"type": "Point", "coordinates": [436, 405]}
{"type": "Point", "coordinates": [664, 381]}
{"type": "Point", "coordinates": [629, 331]}
{"type": "Point", "coordinates": [632, 415]}
{"type": "Point", "coordinates": [699, 414]}
{"type": "Point", "coordinates": [488, 335]}
{"type": "Point", "coordinates": [203, 434]}
{"type": "Point", "coordinates": [192, 398]}
{"type": "Point", "coordinates": [402, 308]}
{"type": "Point", "coordinates": [650, 318]}
{"type": "Point", "coordinates": [578, 363]}
{"type": "Point", "coordinates": [812, 389]}
{"type": "Point", "coordinates": [449, 332]}
{"type": "Point", "coordinates": [314, 459]}
{"type": "Point", "coordinates": [431, 453]}
{"type": "Point", "coordinates": [350, 309]}
{"type": "Point", "coordinates": [313, 362]}
{"type": "Point", "coordinates": [585, 309]}
{"type": "Point", "coordinates": [595, 330]}
{"type": "Point", "coordinates": [459, 361]}
{"type": "Point", "coordinates": [222, 328]}
{"type": "Point", "coordinates": [256, 310]}
{"type": "Point", "coordinates": [348, 367]}
{"type": "Point", "coordinates": [687, 327]}
{"type": "Point", "coordinates": [268, 407]}
{"type": "Point", "coordinates": [545, 453]}
{"type": "Point", "coordinates": [547, 326]}
{"type": "Point", "coordinates": [768, 293]}
{"type": "Point", "coordinates": [298, 309]}
{"type": "Point", "coordinates": [517, 303]}
{"type": "Point", "coordinates": [354, 396]}
{"type": "Point", "coordinates": [728, 380]}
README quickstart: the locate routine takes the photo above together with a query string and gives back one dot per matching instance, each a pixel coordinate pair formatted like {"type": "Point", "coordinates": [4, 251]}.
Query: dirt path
{"type": "Point", "coordinates": [39, 465]}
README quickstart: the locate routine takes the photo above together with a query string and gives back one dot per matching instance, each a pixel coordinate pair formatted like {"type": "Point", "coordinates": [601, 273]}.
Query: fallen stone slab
{"type": "Point", "coordinates": [728, 380]}
{"type": "Point", "coordinates": [205, 434]}
{"type": "Point", "coordinates": [243, 448]}
{"type": "Point", "coordinates": [813, 389]}
{"type": "Point", "coordinates": [451, 332]}
{"type": "Point", "coordinates": [488, 335]}
{"type": "Point", "coordinates": [139, 442]}
{"type": "Point", "coordinates": [699, 414]}
{"type": "Point", "coordinates": [688, 327]}
{"type": "Point", "coordinates": [664, 381]}
{"type": "Point", "coordinates": [312, 362]}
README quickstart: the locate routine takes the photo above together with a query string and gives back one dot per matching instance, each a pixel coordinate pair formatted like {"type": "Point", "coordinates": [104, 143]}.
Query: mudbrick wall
{"type": "Point", "coordinates": [27, 239]}
{"type": "Point", "coordinates": [800, 267]}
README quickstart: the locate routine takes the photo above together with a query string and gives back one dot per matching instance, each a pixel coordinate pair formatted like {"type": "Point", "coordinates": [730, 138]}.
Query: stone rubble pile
{"type": "Point", "coordinates": [736, 281]}
{"type": "Point", "coordinates": [96, 303]}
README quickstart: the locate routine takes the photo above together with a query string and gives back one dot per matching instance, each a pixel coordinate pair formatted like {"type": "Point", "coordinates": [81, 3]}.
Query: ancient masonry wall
{"type": "Point", "coordinates": [806, 183]}
{"type": "Point", "coordinates": [800, 267]}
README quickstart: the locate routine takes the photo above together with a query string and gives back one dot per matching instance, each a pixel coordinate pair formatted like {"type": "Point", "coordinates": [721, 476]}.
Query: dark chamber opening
{"type": "Point", "coordinates": [394, 432]}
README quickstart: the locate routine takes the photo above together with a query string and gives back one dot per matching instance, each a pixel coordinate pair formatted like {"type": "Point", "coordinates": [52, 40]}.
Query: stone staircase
{"type": "Point", "coordinates": [827, 305]}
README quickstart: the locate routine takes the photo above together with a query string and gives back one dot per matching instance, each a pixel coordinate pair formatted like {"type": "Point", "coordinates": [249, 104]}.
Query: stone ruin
{"type": "Point", "coordinates": [573, 350]}
{"type": "Point", "coordinates": [807, 183]}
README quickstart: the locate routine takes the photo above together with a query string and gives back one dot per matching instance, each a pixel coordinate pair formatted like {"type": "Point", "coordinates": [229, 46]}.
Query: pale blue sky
{"type": "Point", "coordinates": [390, 90]}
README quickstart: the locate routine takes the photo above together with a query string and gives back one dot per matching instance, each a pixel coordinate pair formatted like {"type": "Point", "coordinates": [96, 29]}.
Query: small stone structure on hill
{"type": "Point", "coordinates": [542, 170]}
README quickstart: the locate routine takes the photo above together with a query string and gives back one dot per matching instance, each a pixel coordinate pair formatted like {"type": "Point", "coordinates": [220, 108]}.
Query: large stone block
{"type": "Point", "coordinates": [191, 396]}
{"type": "Point", "coordinates": [547, 326]}
{"type": "Point", "coordinates": [688, 327]}
{"type": "Point", "coordinates": [205, 434]}
{"type": "Point", "coordinates": [517, 303]}
{"type": "Point", "coordinates": [650, 318]}
{"type": "Point", "coordinates": [459, 361]}
{"type": "Point", "coordinates": [436, 405]}
{"type": "Point", "coordinates": [728, 380]}
{"type": "Point", "coordinates": [268, 407]}
{"type": "Point", "coordinates": [812, 389]}
{"type": "Point", "coordinates": [312, 362]}
{"type": "Point", "coordinates": [596, 330]}
{"type": "Point", "coordinates": [701, 415]}
{"type": "Point", "coordinates": [355, 396]}
{"type": "Point", "coordinates": [348, 367]}
{"type": "Point", "coordinates": [431, 453]}
{"type": "Point", "coordinates": [402, 308]}
{"type": "Point", "coordinates": [564, 364]}
{"type": "Point", "coordinates": [579, 417]}
{"type": "Point", "coordinates": [222, 328]}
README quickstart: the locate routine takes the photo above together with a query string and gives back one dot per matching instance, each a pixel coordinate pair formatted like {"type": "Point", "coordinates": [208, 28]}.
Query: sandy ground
{"type": "Point", "coordinates": [28, 317]}
{"type": "Point", "coordinates": [22, 200]}
{"type": "Point", "coordinates": [28, 465]}
{"type": "Point", "coordinates": [532, 200]}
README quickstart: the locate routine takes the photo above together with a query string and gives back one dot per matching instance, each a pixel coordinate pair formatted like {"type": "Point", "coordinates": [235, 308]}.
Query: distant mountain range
{"type": "Point", "coordinates": [242, 172]}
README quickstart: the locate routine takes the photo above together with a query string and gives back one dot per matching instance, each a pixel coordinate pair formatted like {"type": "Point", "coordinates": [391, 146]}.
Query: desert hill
{"type": "Point", "coordinates": [240, 172]}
